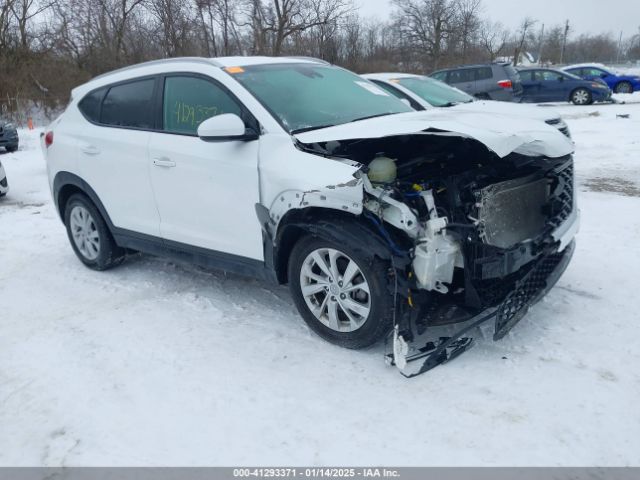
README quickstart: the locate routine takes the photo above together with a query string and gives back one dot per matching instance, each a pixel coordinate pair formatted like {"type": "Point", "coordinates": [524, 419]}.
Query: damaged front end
{"type": "Point", "coordinates": [487, 236]}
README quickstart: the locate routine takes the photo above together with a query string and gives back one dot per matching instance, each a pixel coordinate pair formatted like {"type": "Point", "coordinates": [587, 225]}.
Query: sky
{"type": "Point", "coordinates": [585, 16]}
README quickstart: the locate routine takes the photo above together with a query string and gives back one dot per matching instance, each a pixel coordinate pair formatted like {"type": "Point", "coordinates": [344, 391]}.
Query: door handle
{"type": "Point", "coordinates": [164, 162]}
{"type": "Point", "coordinates": [90, 150]}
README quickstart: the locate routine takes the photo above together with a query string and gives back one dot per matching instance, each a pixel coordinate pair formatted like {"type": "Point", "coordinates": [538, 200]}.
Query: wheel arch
{"type": "Point", "coordinates": [66, 184]}
{"type": "Point", "coordinates": [335, 225]}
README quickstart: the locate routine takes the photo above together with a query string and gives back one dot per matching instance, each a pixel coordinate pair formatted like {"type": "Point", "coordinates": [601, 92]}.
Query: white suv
{"type": "Point", "coordinates": [300, 172]}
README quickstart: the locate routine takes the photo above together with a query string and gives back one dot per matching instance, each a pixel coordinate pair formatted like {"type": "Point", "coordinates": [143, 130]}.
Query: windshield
{"type": "Point", "coordinates": [306, 97]}
{"type": "Point", "coordinates": [433, 91]}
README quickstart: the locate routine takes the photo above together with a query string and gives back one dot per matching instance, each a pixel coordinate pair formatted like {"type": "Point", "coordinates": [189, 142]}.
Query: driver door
{"type": "Point", "coordinates": [205, 191]}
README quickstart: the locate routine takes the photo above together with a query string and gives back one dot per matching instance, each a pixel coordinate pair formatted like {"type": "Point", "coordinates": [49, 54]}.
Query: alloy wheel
{"type": "Point", "coordinates": [335, 290]}
{"type": "Point", "coordinates": [84, 232]}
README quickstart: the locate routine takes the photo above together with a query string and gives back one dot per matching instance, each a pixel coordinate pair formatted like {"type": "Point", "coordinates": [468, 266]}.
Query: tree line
{"type": "Point", "coordinates": [49, 46]}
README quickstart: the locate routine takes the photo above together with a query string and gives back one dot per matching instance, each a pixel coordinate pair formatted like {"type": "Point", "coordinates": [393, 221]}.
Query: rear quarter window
{"type": "Point", "coordinates": [90, 104]}
{"type": "Point", "coordinates": [129, 105]}
{"type": "Point", "coordinates": [484, 73]}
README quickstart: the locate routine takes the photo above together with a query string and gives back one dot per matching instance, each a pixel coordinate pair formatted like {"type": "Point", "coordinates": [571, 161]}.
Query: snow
{"type": "Point", "coordinates": [159, 363]}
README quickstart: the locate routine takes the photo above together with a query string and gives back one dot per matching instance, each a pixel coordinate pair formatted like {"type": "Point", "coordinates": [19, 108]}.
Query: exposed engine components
{"type": "Point", "coordinates": [436, 253]}
{"type": "Point", "coordinates": [382, 170]}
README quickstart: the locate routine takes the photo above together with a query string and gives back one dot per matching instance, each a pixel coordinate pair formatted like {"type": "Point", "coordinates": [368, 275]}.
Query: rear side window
{"type": "Point", "coordinates": [188, 101]}
{"type": "Point", "coordinates": [461, 76]}
{"type": "Point", "coordinates": [129, 105]}
{"type": "Point", "coordinates": [90, 104]}
{"type": "Point", "coordinates": [484, 73]}
{"type": "Point", "coordinates": [527, 75]}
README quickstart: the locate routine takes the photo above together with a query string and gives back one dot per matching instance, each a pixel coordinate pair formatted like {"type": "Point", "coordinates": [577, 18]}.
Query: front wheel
{"type": "Point", "coordinates": [12, 148]}
{"type": "Point", "coordinates": [89, 235]}
{"type": "Point", "coordinates": [581, 96]}
{"type": "Point", "coordinates": [341, 292]}
{"type": "Point", "coordinates": [624, 87]}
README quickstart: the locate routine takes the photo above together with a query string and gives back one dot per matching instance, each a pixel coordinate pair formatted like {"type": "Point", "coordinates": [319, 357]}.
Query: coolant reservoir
{"type": "Point", "coordinates": [382, 170]}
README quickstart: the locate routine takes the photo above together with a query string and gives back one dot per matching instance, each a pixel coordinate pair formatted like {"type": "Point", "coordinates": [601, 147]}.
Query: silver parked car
{"type": "Point", "coordinates": [495, 81]}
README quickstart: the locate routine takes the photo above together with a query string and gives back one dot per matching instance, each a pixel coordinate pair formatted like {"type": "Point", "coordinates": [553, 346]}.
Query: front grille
{"type": "Point", "coordinates": [517, 302]}
{"type": "Point", "coordinates": [561, 202]}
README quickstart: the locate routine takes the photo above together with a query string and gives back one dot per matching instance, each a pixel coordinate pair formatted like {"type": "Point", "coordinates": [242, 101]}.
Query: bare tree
{"type": "Point", "coordinates": [493, 38]}
{"type": "Point", "coordinates": [427, 25]}
{"type": "Point", "coordinates": [525, 28]}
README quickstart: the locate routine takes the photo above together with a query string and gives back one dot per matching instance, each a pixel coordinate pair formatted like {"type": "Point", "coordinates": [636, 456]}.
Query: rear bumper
{"type": "Point", "coordinates": [601, 95]}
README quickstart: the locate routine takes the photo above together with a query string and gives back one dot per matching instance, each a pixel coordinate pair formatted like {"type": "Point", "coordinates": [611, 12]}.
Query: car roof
{"type": "Point", "coordinates": [220, 62]}
{"type": "Point", "coordinates": [586, 65]}
{"type": "Point", "coordinates": [474, 65]}
{"type": "Point", "coordinates": [524, 69]}
{"type": "Point", "coordinates": [389, 75]}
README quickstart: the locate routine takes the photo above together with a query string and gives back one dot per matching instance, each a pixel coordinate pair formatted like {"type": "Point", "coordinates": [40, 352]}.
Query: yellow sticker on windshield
{"type": "Point", "coordinates": [394, 80]}
{"type": "Point", "coordinates": [234, 69]}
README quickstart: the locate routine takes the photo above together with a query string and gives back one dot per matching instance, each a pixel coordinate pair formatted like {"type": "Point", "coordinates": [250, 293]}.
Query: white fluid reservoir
{"type": "Point", "coordinates": [382, 170]}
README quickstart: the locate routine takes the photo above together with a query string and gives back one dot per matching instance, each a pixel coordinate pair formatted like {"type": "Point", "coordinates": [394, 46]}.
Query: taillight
{"type": "Point", "coordinates": [505, 84]}
{"type": "Point", "coordinates": [48, 139]}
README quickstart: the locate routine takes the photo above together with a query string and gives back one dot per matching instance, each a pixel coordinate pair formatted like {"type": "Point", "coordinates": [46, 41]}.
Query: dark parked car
{"type": "Point", "coordinates": [8, 136]}
{"type": "Point", "coordinates": [617, 83]}
{"type": "Point", "coordinates": [496, 81]}
{"type": "Point", "coordinates": [548, 85]}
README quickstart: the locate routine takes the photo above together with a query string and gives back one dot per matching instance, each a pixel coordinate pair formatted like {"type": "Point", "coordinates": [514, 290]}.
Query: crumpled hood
{"type": "Point", "coordinates": [507, 108]}
{"type": "Point", "coordinates": [500, 133]}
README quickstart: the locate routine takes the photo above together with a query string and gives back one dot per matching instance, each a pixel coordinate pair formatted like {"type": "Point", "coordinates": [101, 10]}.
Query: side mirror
{"type": "Point", "coordinates": [227, 126]}
{"type": "Point", "coordinates": [406, 102]}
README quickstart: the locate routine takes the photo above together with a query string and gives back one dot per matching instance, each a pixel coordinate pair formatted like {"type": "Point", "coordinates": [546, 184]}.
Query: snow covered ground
{"type": "Point", "coordinates": [158, 363]}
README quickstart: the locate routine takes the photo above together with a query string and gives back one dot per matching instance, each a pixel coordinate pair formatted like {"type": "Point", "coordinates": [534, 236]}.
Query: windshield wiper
{"type": "Point", "coordinates": [372, 116]}
{"type": "Point", "coordinates": [308, 129]}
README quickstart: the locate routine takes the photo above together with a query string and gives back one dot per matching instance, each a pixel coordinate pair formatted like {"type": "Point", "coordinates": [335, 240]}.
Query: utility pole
{"type": "Point", "coordinates": [619, 48]}
{"type": "Point", "coordinates": [564, 42]}
{"type": "Point", "coordinates": [541, 46]}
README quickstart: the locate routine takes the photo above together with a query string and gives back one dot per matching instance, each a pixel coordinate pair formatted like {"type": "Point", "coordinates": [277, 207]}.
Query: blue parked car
{"type": "Point", "coordinates": [617, 83]}
{"type": "Point", "coordinates": [549, 85]}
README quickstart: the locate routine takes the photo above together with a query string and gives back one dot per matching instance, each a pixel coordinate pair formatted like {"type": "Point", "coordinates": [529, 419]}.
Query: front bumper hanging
{"type": "Point", "coordinates": [415, 352]}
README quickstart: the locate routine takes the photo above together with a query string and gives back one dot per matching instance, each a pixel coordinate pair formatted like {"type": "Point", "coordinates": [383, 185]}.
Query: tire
{"type": "Point", "coordinates": [93, 243]}
{"type": "Point", "coordinates": [354, 330]}
{"type": "Point", "coordinates": [581, 96]}
{"type": "Point", "coordinates": [624, 87]}
{"type": "Point", "coordinates": [12, 148]}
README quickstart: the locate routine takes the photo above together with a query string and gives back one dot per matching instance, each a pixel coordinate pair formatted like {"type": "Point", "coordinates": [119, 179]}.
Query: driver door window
{"type": "Point", "coordinates": [188, 101]}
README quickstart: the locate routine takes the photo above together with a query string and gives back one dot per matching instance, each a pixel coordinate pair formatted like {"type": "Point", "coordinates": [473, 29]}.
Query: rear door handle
{"type": "Point", "coordinates": [164, 162]}
{"type": "Point", "coordinates": [91, 150]}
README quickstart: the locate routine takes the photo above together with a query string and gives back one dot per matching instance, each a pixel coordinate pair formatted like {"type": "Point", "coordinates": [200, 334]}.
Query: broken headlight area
{"type": "Point", "coordinates": [480, 230]}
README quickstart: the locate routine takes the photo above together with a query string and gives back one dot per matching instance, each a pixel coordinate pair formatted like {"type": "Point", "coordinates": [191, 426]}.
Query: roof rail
{"type": "Point", "coordinates": [314, 59]}
{"type": "Point", "coordinates": [161, 61]}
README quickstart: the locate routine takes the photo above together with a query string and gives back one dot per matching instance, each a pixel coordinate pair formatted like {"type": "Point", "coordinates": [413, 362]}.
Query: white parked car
{"type": "Point", "coordinates": [424, 93]}
{"type": "Point", "coordinates": [304, 173]}
{"type": "Point", "coordinates": [4, 185]}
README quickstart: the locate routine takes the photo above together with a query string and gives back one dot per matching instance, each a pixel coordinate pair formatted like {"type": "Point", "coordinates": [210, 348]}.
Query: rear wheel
{"type": "Point", "coordinates": [581, 96]}
{"type": "Point", "coordinates": [89, 235]}
{"type": "Point", "coordinates": [12, 148]}
{"type": "Point", "coordinates": [341, 292]}
{"type": "Point", "coordinates": [624, 87]}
